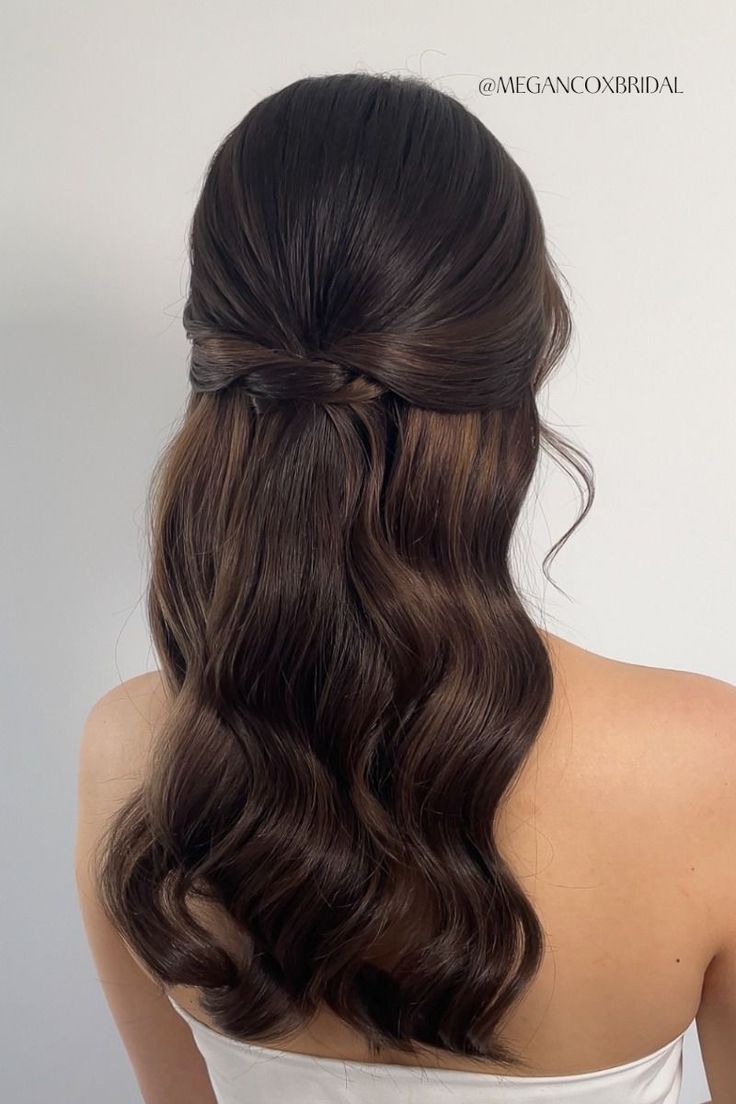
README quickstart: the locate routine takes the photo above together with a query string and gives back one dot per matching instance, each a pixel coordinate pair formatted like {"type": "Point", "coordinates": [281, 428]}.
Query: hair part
{"type": "Point", "coordinates": [354, 680]}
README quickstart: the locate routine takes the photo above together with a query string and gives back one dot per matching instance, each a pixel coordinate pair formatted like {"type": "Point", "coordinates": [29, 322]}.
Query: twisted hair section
{"type": "Point", "coordinates": [353, 679]}
{"type": "Point", "coordinates": [272, 376]}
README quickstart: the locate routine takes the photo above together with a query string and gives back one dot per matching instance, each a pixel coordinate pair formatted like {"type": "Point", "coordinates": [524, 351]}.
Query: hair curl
{"type": "Point", "coordinates": [354, 681]}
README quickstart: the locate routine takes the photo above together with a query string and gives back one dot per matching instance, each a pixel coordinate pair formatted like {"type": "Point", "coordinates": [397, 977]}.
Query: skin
{"type": "Point", "coordinates": [621, 826]}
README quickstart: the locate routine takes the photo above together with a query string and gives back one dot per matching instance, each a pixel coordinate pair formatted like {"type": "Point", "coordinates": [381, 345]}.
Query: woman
{"type": "Point", "coordinates": [370, 833]}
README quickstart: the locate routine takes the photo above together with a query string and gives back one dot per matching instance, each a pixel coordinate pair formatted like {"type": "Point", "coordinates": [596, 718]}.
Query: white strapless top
{"type": "Point", "coordinates": [245, 1073]}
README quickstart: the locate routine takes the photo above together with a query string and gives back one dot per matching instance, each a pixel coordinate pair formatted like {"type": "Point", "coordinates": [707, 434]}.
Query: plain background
{"type": "Point", "coordinates": [110, 112]}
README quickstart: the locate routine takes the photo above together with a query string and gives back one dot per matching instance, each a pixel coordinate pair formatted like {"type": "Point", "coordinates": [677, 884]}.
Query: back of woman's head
{"type": "Point", "coordinates": [354, 681]}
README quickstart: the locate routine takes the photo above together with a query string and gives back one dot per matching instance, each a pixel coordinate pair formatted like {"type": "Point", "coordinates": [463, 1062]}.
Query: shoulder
{"type": "Point", "coordinates": [688, 715]}
{"type": "Point", "coordinates": [686, 726]}
{"type": "Point", "coordinates": [111, 762]}
{"type": "Point", "coordinates": [677, 702]}
{"type": "Point", "coordinates": [667, 740]}
{"type": "Point", "coordinates": [114, 745]}
{"type": "Point", "coordinates": [116, 739]}
{"type": "Point", "coordinates": [140, 696]}
{"type": "Point", "coordinates": [665, 735]}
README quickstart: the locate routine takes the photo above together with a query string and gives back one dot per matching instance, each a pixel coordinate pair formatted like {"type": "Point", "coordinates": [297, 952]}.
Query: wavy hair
{"type": "Point", "coordinates": [353, 679]}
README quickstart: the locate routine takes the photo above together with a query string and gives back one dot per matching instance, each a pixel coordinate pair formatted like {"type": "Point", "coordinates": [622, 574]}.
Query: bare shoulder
{"type": "Point", "coordinates": [667, 738]}
{"type": "Point", "coordinates": [684, 712]}
{"type": "Point", "coordinates": [117, 733]}
{"type": "Point", "coordinates": [114, 744]}
{"type": "Point", "coordinates": [687, 716]}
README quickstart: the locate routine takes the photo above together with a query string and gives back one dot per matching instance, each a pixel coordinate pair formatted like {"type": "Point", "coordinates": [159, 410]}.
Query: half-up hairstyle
{"type": "Point", "coordinates": [353, 680]}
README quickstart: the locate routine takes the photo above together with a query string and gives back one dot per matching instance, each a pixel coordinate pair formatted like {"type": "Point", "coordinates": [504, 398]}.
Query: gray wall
{"type": "Point", "coordinates": [109, 113]}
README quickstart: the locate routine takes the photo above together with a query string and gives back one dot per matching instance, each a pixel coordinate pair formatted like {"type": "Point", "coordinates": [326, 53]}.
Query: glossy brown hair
{"type": "Point", "coordinates": [354, 679]}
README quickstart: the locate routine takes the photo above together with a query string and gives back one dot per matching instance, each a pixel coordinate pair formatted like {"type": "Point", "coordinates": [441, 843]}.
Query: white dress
{"type": "Point", "coordinates": [244, 1073]}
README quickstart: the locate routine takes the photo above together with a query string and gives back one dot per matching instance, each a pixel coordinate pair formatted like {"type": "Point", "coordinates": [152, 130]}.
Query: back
{"type": "Point", "coordinates": [604, 829]}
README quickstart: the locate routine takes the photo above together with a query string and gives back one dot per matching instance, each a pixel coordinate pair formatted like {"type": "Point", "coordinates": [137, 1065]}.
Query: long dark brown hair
{"type": "Point", "coordinates": [353, 679]}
